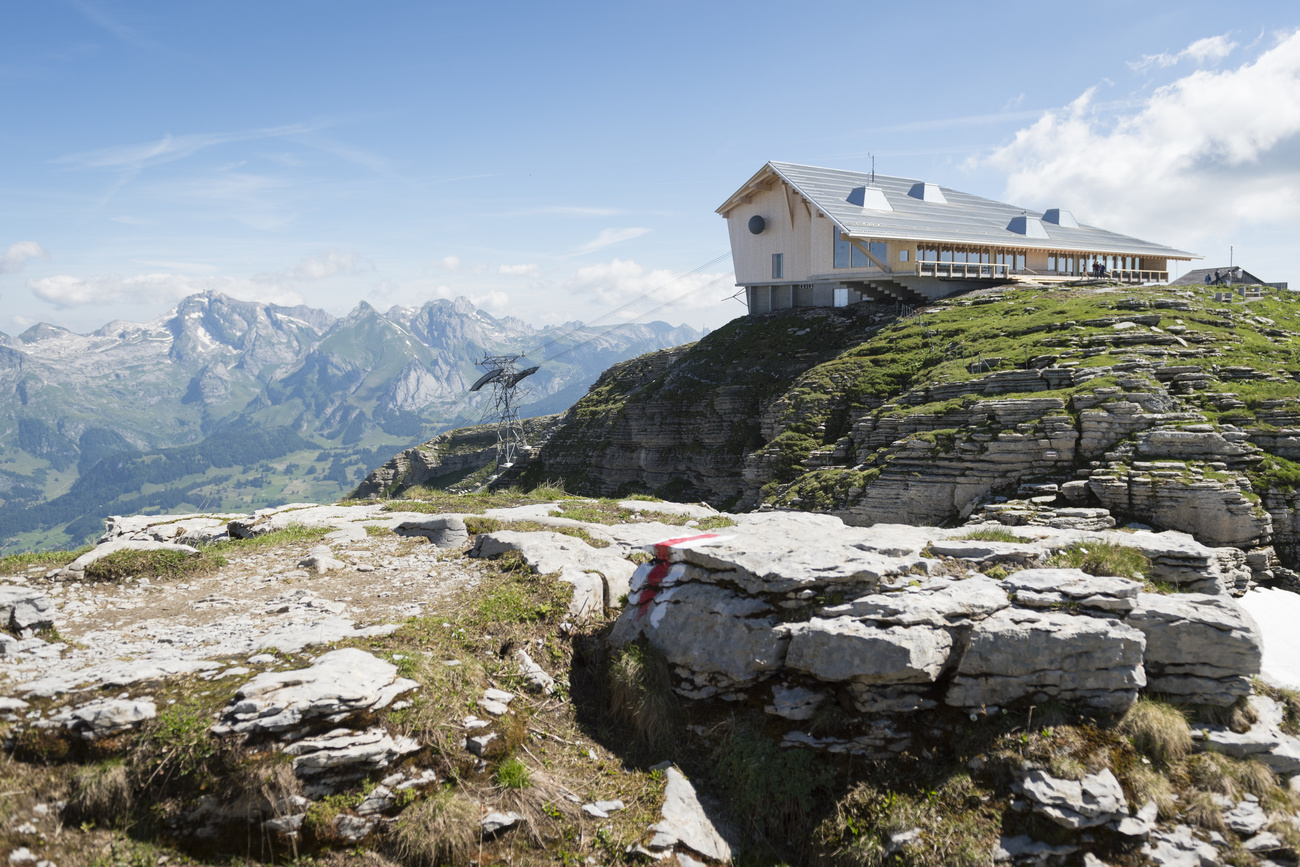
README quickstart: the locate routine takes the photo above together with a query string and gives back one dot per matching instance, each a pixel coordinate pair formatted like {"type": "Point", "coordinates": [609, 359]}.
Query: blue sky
{"type": "Point", "coordinates": [554, 160]}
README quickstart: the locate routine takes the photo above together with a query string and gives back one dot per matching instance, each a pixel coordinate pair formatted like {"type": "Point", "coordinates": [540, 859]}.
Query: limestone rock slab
{"type": "Point", "coordinates": [1018, 653]}
{"type": "Point", "coordinates": [339, 682]}
{"type": "Point", "coordinates": [685, 823]}
{"type": "Point", "coordinates": [841, 648]}
{"type": "Point", "coordinates": [1199, 648]}
{"type": "Point", "coordinates": [24, 608]}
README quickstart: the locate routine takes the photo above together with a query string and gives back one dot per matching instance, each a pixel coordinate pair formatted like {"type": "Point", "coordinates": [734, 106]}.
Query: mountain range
{"type": "Point", "coordinates": [222, 403]}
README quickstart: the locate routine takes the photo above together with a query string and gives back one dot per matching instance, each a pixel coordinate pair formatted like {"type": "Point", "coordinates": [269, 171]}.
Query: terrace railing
{"type": "Point", "coordinates": [963, 270]}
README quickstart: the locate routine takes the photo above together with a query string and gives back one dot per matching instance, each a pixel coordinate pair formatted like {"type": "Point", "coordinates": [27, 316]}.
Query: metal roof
{"type": "Point", "coordinates": [953, 217]}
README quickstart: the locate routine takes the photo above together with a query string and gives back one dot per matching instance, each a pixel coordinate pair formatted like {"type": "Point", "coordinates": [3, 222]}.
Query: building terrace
{"type": "Point", "coordinates": [806, 236]}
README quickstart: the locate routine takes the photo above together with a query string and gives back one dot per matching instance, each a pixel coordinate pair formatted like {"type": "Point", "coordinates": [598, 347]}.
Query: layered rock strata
{"type": "Point", "coordinates": [793, 611]}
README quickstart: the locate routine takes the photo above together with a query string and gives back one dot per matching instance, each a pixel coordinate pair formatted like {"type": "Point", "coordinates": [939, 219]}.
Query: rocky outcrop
{"type": "Point", "coordinates": [924, 421]}
{"type": "Point", "coordinates": [681, 421]}
{"type": "Point", "coordinates": [446, 460]}
{"type": "Point", "coordinates": [745, 612]}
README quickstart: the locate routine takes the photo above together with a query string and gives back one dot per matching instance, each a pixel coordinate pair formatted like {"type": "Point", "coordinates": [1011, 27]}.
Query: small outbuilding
{"type": "Point", "coordinates": [803, 236]}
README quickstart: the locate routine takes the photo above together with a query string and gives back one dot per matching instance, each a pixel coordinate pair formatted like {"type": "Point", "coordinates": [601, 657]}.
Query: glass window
{"type": "Point", "coordinates": [776, 266]}
{"type": "Point", "coordinates": [862, 260]}
{"type": "Point", "coordinates": [843, 256]}
{"type": "Point", "coordinates": [902, 255]}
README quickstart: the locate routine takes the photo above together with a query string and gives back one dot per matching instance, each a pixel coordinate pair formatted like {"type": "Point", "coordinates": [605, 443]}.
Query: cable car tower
{"type": "Point", "coordinates": [504, 375]}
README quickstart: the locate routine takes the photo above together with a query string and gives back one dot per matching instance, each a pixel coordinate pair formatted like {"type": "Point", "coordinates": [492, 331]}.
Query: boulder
{"type": "Point", "coordinates": [685, 823]}
{"type": "Point", "coordinates": [709, 631]}
{"type": "Point", "coordinates": [1095, 800]}
{"type": "Point", "coordinates": [321, 560]}
{"type": "Point", "coordinates": [336, 685]}
{"type": "Point", "coordinates": [107, 717]}
{"type": "Point", "coordinates": [24, 608]}
{"type": "Point", "coordinates": [359, 753]}
{"type": "Point", "coordinates": [1199, 648]}
{"type": "Point", "coordinates": [444, 531]}
{"type": "Point", "coordinates": [1023, 654]}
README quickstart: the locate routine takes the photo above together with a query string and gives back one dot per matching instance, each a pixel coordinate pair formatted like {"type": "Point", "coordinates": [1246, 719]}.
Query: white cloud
{"type": "Point", "coordinates": [480, 269]}
{"type": "Point", "coordinates": [1211, 49]}
{"type": "Point", "coordinates": [1198, 157]}
{"type": "Point", "coordinates": [451, 263]}
{"type": "Point", "coordinates": [64, 290]}
{"type": "Point", "coordinates": [13, 259]}
{"type": "Point", "coordinates": [611, 236]}
{"type": "Point", "coordinates": [333, 262]}
{"type": "Point", "coordinates": [622, 280]}
{"type": "Point", "coordinates": [518, 270]}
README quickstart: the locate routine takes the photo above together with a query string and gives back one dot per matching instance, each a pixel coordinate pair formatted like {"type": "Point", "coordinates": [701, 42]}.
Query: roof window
{"type": "Point", "coordinates": [869, 199]}
{"type": "Point", "coordinates": [1030, 227]}
{"type": "Point", "coordinates": [1061, 217]}
{"type": "Point", "coordinates": [927, 193]}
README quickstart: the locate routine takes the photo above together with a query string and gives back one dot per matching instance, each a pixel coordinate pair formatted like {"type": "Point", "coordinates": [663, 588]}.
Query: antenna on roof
{"type": "Point", "coordinates": [873, 168]}
{"type": "Point", "coordinates": [504, 375]}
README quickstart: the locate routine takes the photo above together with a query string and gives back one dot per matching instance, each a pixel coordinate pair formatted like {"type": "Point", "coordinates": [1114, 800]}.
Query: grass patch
{"type": "Point", "coordinates": [153, 564]}
{"type": "Point", "coordinates": [438, 501]}
{"type": "Point", "coordinates": [101, 793]}
{"type": "Point", "coordinates": [521, 596]}
{"type": "Point", "coordinates": [178, 744]}
{"type": "Point", "coordinates": [373, 530]}
{"type": "Point", "coordinates": [294, 533]}
{"type": "Point", "coordinates": [641, 696]}
{"type": "Point", "coordinates": [1157, 730]}
{"type": "Point", "coordinates": [475, 526]}
{"type": "Point", "coordinates": [513, 774]}
{"type": "Point", "coordinates": [771, 790]}
{"type": "Point", "coordinates": [15, 564]}
{"type": "Point", "coordinates": [991, 534]}
{"type": "Point", "coordinates": [1103, 558]}
{"type": "Point", "coordinates": [957, 823]}
{"type": "Point", "coordinates": [440, 829]}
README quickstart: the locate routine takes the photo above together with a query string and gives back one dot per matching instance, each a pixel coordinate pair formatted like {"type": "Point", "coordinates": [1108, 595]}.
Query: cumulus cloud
{"type": "Point", "coordinates": [64, 290]}
{"type": "Point", "coordinates": [518, 270]}
{"type": "Point", "coordinates": [1196, 158]}
{"type": "Point", "coordinates": [451, 263]}
{"type": "Point", "coordinates": [1211, 49]}
{"type": "Point", "coordinates": [276, 287]}
{"type": "Point", "coordinates": [13, 259]}
{"type": "Point", "coordinates": [621, 280]}
{"type": "Point", "coordinates": [608, 237]}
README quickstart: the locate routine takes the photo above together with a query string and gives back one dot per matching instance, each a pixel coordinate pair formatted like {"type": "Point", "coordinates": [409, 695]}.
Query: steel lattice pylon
{"type": "Point", "coordinates": [504, 375]}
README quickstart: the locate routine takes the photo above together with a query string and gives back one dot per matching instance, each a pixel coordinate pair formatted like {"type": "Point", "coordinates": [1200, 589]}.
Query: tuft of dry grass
{"type": "Point", "coordinates": [101, 793]}
{"type": "Point", "coordinates": [641, 695]}
{"type": "Point", "coordinates": [440, 829]}
{"type": "Point", "coordinates": [1158, 731]}
{"type": "Point", "coordinates": [1198, 808]}
{"type": "Point", "coordinates": [1214, 772]}
{"type": "Point", "coordinates": [1238, 716]}
{"type": "Point", "coordinates": [1148, 784]}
